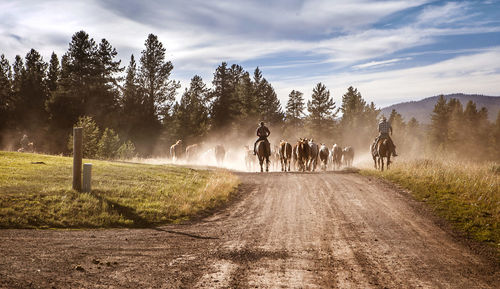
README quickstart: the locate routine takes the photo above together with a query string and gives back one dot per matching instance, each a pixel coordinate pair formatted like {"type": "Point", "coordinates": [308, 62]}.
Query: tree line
{"type": "Point", "coordinates": [133, 109]}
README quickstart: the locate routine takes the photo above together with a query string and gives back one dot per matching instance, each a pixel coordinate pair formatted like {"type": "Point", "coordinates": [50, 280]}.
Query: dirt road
{"type": "Point", "coordinates": [291, 230]}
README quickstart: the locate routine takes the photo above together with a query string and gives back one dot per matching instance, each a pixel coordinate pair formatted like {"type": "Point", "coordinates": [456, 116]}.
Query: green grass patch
{"type": "Point", "coordinates": [467, 194]}
{"type": "Point", "coordinates": [123, 194]}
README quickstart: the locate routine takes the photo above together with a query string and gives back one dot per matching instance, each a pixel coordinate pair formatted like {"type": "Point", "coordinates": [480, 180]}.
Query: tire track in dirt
{"type": "Point", "coordinates": [289, 230]}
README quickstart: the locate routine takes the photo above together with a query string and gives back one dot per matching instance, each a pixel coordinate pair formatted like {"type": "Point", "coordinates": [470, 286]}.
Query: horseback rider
{"type": "Point", "coordinates": [384, 128]}
{"type": "Point", "coordinates": [262, 132]}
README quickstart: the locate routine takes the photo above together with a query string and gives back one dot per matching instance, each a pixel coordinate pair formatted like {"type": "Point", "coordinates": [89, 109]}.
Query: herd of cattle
{"type": "Point", "coordinates": [305, 155]}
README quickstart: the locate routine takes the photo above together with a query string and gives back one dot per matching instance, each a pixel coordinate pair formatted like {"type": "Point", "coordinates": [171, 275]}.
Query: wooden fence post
{"type": "Point", "coordinates": [87, 176]}
{"type": "Point", "coordinates": [77, 158]}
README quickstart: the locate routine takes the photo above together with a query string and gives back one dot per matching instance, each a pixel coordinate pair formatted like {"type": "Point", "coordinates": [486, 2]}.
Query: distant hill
{"type": "Point", "coordinates": [422, 109]}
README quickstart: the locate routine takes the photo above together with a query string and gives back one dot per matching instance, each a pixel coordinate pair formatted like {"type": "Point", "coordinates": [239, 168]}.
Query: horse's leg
{"type": "Point", "coordinates": [267, 164]}
{"type": "Point", "coordinates": [388, 161]}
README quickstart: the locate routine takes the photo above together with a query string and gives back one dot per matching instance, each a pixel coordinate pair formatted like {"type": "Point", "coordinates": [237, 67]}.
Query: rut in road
{"type": "Point", "coordinates": [286, 230]}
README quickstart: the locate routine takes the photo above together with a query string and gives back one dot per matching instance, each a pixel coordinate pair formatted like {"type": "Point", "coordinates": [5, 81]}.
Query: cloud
{"type": "Point", "coordinates": [445, 14]}
{"type": "Point", "coordinates": [476, 73]}
{"type": "Point", "coordinates": [327, 39]}
{"type": "Point", "coordinates": [372, 64]}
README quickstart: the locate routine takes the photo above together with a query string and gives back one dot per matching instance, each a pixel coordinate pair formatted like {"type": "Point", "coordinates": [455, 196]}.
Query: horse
{"type": "Point", "coordinates": [176, 151]}
{"type": "Point", "coordinates": [220, 154]}
{"type": "Point", "coordinates": [348, 156]}
{"type": "Point", "coordinates": [263, 153]}
{"type": "Point", "coordinates": [324, 154]}
{"type": "Point", "coordinates": [313, 156]}
{"type": "Point", "coordinates": [192, 152]}
{"type": "Point", "coordinates": [302, 154]}
{"type": "Point", "coordinates": [249, 158]}
{"type": "Point", "coordinates": [336, 157]}
{"type": "Point", "coordinates": [285, 155]}
{"type": "Point", "coordinates": [383, 151]}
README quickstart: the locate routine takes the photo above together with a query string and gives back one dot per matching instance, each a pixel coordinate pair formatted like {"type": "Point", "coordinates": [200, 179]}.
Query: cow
{"type": "Point", "coordinates": [176, 151]}
{"type": "Point", "coordinates": [302, 154]}
{"type": "Point", "coordinates": [324, 154]}
{"type": "Point", "coordinates": [336, 157]}
{"type": "Point", "coordinates": [285, 155]}
{"type": "Point", "coordinates": [313, 156]}
{"type": "Point", "coordinates": [348, 156]}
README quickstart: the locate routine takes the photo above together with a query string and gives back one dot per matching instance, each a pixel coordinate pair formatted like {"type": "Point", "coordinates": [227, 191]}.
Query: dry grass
{"type": "Point", "coordinates": [123, 194]}
{"type": "Point", "coordinates": [465, 193]}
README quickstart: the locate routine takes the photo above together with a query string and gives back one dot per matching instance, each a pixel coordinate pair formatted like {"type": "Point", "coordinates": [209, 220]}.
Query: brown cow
{"type": "Point", "coordinates": [285, 155]}
{"type": "Point", "coordinates": [324, 154]}
{"type": "Point", "coordinates": [303, 154]}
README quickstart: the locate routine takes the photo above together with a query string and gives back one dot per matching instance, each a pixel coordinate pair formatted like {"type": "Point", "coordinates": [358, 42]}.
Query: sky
{"type": "Point", "coordinates": [391, 51]}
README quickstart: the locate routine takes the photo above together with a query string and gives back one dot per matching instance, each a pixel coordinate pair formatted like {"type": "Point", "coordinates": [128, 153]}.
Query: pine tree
{"type": "Point", "coordinates": [295, 109]}
{"type": "Point", "coordinates": [192, 113]}
{"type": "Point", "coordinates": [413, 124]}
{"type": "Point", "coordinates": [154, 73]}
{"type": "Point", "coordinates": [91, 135]}
{"type": "Point", "coordinates": [358, 124]}
{"type": "Point", "coordinates": [439, 123]}
{"type": "Point", "coordinates": [455, 134]}
{"type": "Point", "coordinates": [53, 73]}
{"type": "Point", "coordinates": [31, 94]}
{"type": "Point", "coordinates": [399, 129]}
{"type": "Point", "coordinates": [396, 120]}
{"type": "Point", "coordinates": [5, 94]}
{"type": "Point", "coordinates": [270, 106]}
{"type": "Point", "coordinates": [223, 110]}
{"type": "Point", "coordinates": [131, 113]}
{"type": "Point", "coordinates": [18, 68]}
{"type": "Point", "coordinates": [353, 106]}
{"type": "Point", "coordinates": [108, 67]}
{"type": "Point", "coordinates": [108, 145]}
{"type": "Point", "coordinates": [104, 103]}
{"type": "Point", "coordinates": [75, 94]}
{"type": "Point", "coordinates": [321, 109]}
{"type": "Point", "coordinates": [249, 106]}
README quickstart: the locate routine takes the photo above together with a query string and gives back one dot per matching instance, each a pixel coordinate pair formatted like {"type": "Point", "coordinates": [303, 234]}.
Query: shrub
{"type": "Point", "coordinates": [108, 145]}
{"type": "Point", "coordinates": [90, 134]}
{"type": "Point", "coordinates": [126, 151]}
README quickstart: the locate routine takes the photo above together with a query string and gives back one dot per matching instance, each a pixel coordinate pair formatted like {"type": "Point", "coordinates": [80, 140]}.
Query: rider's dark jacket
{"type": "Point", "coordinates": [263, 132]}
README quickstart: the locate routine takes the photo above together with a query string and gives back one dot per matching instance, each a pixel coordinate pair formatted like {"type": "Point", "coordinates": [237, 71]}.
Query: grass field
{"type": "Point", "coordinates": [123, 194]}
{"type": "Point", "coordinates": [467, 194]}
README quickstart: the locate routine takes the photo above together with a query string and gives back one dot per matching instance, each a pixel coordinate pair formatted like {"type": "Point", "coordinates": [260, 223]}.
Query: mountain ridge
{"type": "Point", "coordinates": [422, 109]}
